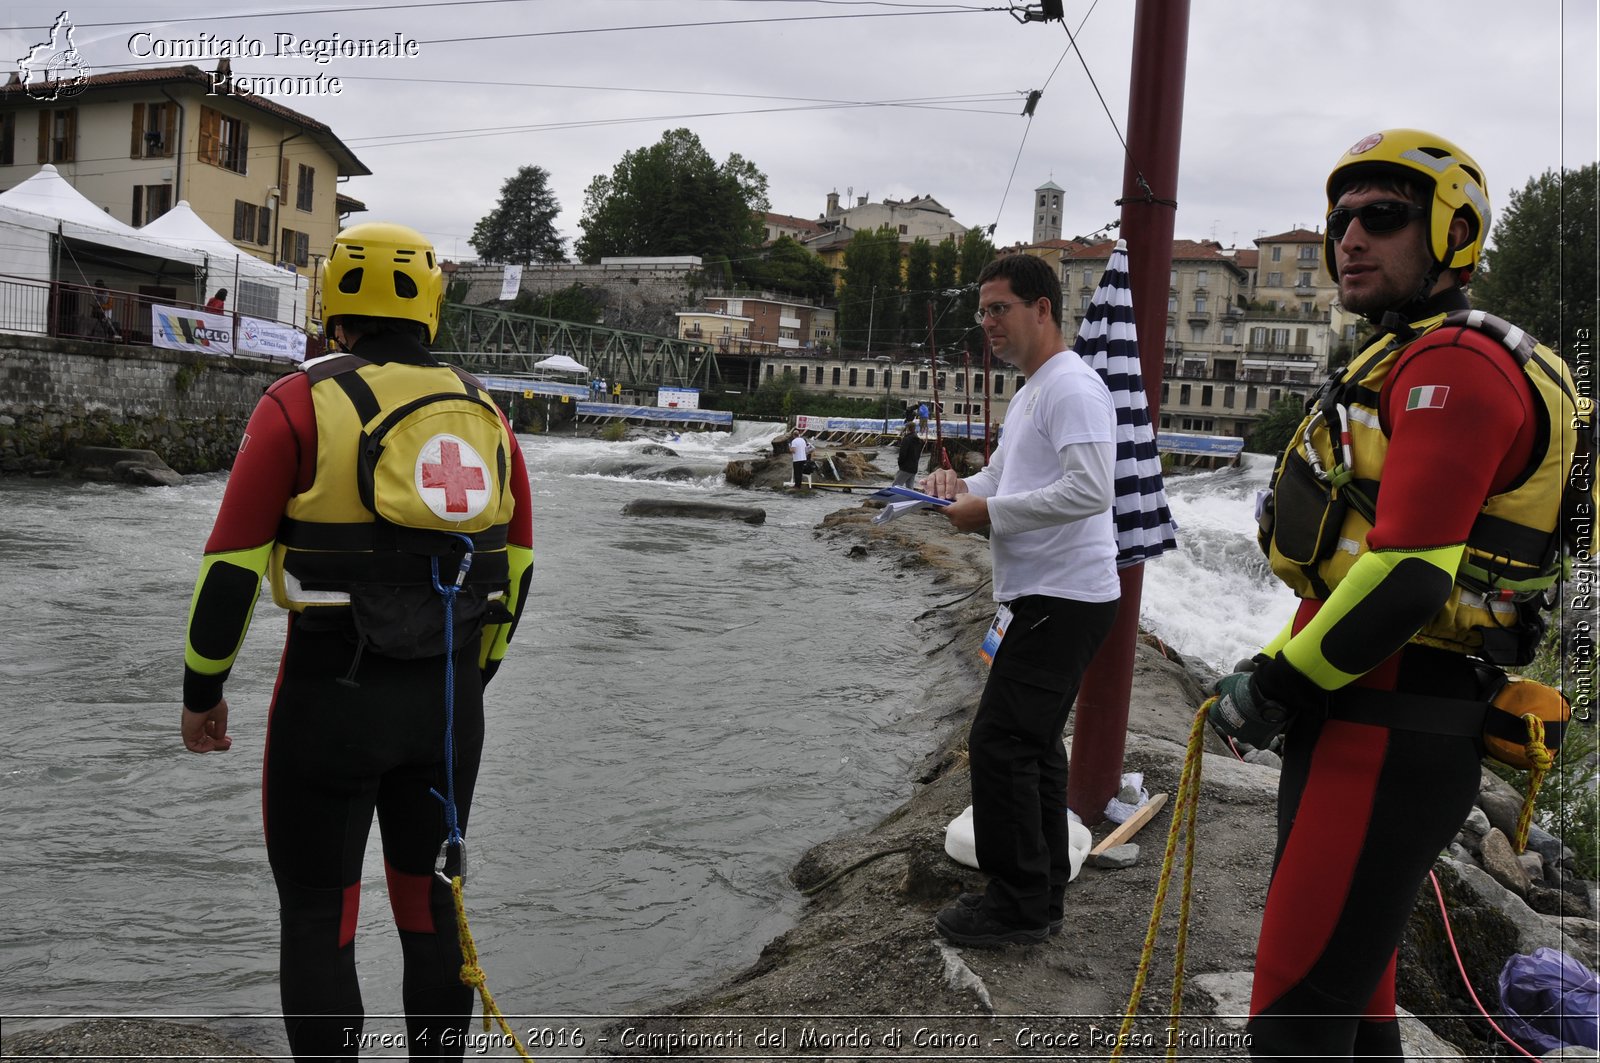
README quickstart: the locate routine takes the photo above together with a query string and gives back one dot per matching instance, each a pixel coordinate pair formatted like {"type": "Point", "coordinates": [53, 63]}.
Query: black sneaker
{"type": "Point", "coordinates": [974, 900]}
{"type": "Point", "coordinates": [974, 928]}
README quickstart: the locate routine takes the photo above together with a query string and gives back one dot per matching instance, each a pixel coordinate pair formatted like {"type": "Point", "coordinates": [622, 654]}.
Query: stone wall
{"type": "Point", "coordinates": [632, 297]}
{"type": "Point", "coordinates": [189, 408]}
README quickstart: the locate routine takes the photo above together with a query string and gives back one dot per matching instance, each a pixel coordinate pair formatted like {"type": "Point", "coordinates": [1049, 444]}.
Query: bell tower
{"type": "Point", "coordinates": [1047, 212]}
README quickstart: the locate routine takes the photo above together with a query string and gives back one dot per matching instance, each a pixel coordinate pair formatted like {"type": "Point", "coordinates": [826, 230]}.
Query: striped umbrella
{"type": "Point", "coordinates": [1107, 341]}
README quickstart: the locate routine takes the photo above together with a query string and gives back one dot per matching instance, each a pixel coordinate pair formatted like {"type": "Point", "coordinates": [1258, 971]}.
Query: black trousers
{"type": "Point", "coordinates": [337, 754]}
{"type": "Point", "coordinates": [1019, 768]}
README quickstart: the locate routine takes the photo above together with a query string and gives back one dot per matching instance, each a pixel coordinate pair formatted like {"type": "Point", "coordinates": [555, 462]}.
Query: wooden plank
{"type": "Point", "coordinates": [1131, 826]}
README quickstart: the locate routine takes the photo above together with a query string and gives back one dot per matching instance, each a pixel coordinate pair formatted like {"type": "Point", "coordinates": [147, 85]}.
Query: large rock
{"type": "Point", "coordinates": [673, 507]}
{"type": "Point", "coordinates": [1485, 934]}
{"type": "Point", "coordinates": [1477, 890]}
{"type": "Point", "coordinates": [129, 465]}
{"type": "Point", "coordinates": [1501, 863]}
{"type": "Point", "coordinates": [1503, 809]}
{"type": "Point", "coordinates": [1500, 801]}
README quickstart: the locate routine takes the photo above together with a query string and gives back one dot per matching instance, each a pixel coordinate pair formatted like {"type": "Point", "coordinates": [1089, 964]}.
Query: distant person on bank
{"type": "Point", "coordinates": [1046, 497]}
{"type": "Point", "coordinates": [215, 304]}
{"type": "Point", "coordinates": [910, 454]}
{"type": "Point", "coordinates": [800, 451]}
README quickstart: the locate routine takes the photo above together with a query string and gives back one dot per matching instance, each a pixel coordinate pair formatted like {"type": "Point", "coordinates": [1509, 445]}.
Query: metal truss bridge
{"type": "Point", "coordinates": [486, 340]}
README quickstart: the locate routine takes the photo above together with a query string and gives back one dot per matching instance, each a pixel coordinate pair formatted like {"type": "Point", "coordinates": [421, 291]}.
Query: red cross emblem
{"type": "Point", "coordinates": [451, 465]}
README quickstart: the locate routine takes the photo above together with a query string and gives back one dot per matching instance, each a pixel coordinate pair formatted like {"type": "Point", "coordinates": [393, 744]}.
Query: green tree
{"type": "Point", "coordinates": [976, 252]}
{"type": "Point", "coordinates": [949, 321]}
{"type": "Point", "coordinates": [522, 227]}
{"type": "Point", "coordinates": [572, 303]}
{"type": "Point", "coordinates": [789, 266]}
{"type": "Point", "coordinates": [869, 295]}
{"type": "Point", "coordinates": [672, 198]}
{"type": "Point", "coordinates": [1540, 273]}
{"type": "Point", "coordinates": [1271, 434]}
{"type": "Point", "coordinates": [919, 291]}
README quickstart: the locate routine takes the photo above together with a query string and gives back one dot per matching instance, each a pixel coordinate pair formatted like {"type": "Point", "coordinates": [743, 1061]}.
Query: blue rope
{"type": "Point", "coordinates": [453, 835]}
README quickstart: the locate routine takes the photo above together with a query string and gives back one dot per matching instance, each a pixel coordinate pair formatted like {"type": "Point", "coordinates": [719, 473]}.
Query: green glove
{"type": "Point", "coordinates": [1242, 713]}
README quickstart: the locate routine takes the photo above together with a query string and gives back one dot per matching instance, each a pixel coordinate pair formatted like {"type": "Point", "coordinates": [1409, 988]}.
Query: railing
{"type": "Point", "coordinates": [485, 339]}
{"type": "Point", "coordinates": [1287, 350]}
{"type": "Point", "coordinates": [84, 311]}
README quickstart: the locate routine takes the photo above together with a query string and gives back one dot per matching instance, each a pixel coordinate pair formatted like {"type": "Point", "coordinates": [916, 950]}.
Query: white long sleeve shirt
{"type": "Point", "coordinates": [1050, 487]}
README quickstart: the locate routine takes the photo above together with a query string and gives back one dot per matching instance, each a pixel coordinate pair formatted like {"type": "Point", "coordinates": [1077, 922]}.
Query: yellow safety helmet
{"type": "Point", "coordinates": [380, 269]}
{"type": "Point", "coordinates": [1457, 182]}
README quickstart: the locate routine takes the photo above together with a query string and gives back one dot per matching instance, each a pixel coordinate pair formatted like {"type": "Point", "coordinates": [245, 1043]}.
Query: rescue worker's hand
{"type": "Point", "coordinates": [208, 730]}
{"type": "Point", "coordinates": [1241, 712]}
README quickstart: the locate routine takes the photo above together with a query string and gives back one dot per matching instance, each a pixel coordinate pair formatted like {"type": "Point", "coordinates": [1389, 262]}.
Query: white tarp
{"type": "Point", "coordinates": [560, 363]}
{"type": "Point", "coordinates": [191, 330]}
{"type": "Point", "coordinates": [182, 227]}
{"type": "Point", "coordinates": [45, 203]}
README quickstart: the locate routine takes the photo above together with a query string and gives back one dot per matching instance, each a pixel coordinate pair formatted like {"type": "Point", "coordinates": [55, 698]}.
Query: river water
{"type": "Point", "coordinates": [687, 707]}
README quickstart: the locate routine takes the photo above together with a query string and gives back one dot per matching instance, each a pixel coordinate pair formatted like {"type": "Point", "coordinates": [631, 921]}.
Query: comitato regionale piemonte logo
{"type": "Point", "coordinates": [53, 70]}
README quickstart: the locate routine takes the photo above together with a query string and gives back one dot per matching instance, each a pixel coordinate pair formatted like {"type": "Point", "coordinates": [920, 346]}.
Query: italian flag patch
{"type": "Point", "coordinates": [1430, 397]}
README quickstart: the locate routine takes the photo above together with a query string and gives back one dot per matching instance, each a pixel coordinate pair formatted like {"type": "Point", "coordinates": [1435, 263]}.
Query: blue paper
{"type": "Point", "coordinates": [893, 494]}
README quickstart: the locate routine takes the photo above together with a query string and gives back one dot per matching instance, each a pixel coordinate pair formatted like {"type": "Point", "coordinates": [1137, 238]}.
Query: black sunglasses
{"type": "Point", "coordinates": [1382, 216]}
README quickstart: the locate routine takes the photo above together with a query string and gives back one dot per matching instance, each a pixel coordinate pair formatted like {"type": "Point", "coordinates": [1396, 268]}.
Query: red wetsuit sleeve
{"type": "Point", "coordinates": [276, 459]}
{"type": "Point", "coordinates": [519, 557]}
{"type": "Point", "coordinates": [521, 530]}
{"type": "Point", "coordinates": [1461, 423]}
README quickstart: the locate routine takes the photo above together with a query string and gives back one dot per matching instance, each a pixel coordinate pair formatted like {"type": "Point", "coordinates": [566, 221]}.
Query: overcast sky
{"type": "Point", "coordinates": [893, 99]}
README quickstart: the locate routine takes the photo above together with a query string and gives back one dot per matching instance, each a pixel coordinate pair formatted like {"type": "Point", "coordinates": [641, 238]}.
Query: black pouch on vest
{"type": "Point", "coordinates": [407, 621]}
{"type": "Point", "coordinates": [1306, 516]}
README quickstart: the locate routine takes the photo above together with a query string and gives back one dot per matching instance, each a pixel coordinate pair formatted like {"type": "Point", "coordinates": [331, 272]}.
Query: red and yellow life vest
{"type": "Point", "coordinates": [412, 464]}
{"type": "Point", "coordinates": [1323, 505]}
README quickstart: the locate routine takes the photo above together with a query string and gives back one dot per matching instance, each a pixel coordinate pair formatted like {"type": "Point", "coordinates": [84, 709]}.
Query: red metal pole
{"type": "Point", "coordinates": [966, 381]}
{"type": "Point", "coordinates": [988, 420]}
{"type": "Point", "coordinates": [1149, 203]}
{"type": "Point", "coordinates": [938, 415]}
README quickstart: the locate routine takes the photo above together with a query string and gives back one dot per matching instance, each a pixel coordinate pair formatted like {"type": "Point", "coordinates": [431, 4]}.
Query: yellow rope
{"type": "Point", "coordinates": [1539, 761]}
{"type": "Point", "coordinates": [1183, 819]}
{"type": "Point", "coordinates": [473, 975]}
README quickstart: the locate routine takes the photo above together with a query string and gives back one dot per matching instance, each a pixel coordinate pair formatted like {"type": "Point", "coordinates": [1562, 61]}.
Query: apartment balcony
{"type": "Point", "coordinates": [1294, 351]}
{"type": "Point", "coordinates": [1283, 314]}
{"type": "Point", "coordinates": [1198, 317]}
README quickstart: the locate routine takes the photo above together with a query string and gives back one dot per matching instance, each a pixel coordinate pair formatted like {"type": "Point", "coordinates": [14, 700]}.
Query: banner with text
{"type": "Point", "coordinates": [191, 330]}
{"type": "Point", "coordinates": [270, 339]}
{"type": "Point", "coordinates": [511, 282]}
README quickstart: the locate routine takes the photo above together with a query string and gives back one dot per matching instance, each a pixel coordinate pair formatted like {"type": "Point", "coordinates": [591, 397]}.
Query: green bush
{"type": "Point", "coordinates": [783, 397]}
{"type": "Point", "coordinates": [614, 431]}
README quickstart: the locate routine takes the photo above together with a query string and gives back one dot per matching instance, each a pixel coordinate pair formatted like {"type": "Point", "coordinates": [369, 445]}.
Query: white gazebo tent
{"type": "Point", "coordinates": [278, 294]}
{"type": "Point", "coordinates": [50, 232]}
{"type": "Point", "coordinates": [560, 363]}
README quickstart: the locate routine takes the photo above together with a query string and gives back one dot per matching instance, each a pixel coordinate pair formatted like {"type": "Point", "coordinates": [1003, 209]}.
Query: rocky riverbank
{"type": "Point", "coordinates": [862, 974]}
